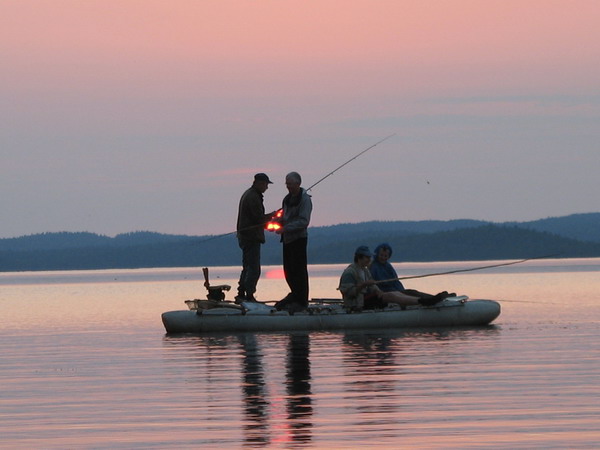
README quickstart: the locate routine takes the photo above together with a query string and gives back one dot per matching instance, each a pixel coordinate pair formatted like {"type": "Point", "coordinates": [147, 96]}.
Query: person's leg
{"type": "Point", "coordinates": [288, 264]}
{"type": "Point", "coordinates": [298, 271]}
{"type": "Point", "coordinates": [428, 299]}
{"type": "Point", "coordinates": [252, 268]}
{"type": "Point", "coordinates": [399, 298]}
{"type": "Point", "coordinates": [242, 281]}
{"type": "Point", "coordinates": [303, 284]}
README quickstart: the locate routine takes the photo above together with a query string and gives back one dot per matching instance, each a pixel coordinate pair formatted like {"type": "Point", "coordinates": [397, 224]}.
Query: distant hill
{"type": "Point", "coordinates": [66, 240]}
{"type": "Point", "coordinates": [480, 243]}
{"type": "Point", "coordinates": [402, 227]}
{"type": "Point", "coordinates": [583, 227]}
{"type": "Point", "coordinates": [571, 236]}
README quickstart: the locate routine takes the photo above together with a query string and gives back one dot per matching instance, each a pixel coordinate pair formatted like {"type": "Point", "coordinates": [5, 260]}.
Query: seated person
{"type": "Point", "coordinates": [360, 291]}
{"type": "Point", "coordinates": [381, 269]}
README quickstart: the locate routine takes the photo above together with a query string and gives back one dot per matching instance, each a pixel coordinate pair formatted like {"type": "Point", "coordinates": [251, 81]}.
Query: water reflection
{"type": "Point", "coordinates": [368, 352]}
{"type": "Point", "coordinates": [258, 388]}
{"type": "Point", "coordinates": [371, 374]}
{"type": "Point", "coordinates": [379, 375]}
{"type": "Point", "coordinates": [257, 399]}
{"type": "Point", "coordinates": [255, 394]}
{"type": "Point", "coordinates": [91, 372]}
{"type": "Point", "coordinates": [299, 396]}
{"type": "Point", "coordinates": [213, 361]}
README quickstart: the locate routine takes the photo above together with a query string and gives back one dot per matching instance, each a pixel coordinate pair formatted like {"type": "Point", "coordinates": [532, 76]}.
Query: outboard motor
{"type": "Point", "coordinates": [215, 293]}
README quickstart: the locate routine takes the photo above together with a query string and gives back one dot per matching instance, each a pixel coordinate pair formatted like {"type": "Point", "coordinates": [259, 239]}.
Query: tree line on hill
{"type": "Point", "coordinates": [566, 237]}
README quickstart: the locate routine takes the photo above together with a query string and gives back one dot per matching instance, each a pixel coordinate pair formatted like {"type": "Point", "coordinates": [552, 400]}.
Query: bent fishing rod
{"type": "Point", "coordinates": [308, 189]}
{"type": "Point", "coordinates": [350, 160]}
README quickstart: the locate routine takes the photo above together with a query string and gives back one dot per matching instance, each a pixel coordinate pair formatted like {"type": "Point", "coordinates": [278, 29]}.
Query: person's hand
{"type": "Point", "coordinates": [367, 283]}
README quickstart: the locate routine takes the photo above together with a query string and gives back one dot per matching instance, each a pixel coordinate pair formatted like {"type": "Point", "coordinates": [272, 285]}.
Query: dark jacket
{"type": "Point", "coordinates": [251, 217]}
{"type": "Point", "coordinates": [385, 272]}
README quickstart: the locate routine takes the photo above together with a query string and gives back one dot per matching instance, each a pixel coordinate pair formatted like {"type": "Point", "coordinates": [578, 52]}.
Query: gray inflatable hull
{"type": "Point", "coordinates": [447, 314]}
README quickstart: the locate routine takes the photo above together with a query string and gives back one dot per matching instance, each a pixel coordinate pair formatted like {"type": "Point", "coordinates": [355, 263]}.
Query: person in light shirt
{"type": "Point", "coordinates": [297, 208]}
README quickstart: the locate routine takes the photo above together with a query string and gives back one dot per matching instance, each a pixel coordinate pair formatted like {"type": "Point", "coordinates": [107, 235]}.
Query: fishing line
{"type": "Point", "coordinates": [527, 301]}
{"type": "Point", "coordinates": [467, 270]}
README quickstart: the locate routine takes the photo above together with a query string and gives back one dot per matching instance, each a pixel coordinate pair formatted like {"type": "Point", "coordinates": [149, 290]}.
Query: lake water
{"type": "Point", "coordinates": [85, 363]}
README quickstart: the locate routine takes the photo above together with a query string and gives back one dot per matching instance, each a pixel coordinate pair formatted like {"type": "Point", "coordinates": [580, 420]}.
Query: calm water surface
{"type": "Point", "coordinates": [85, 363]}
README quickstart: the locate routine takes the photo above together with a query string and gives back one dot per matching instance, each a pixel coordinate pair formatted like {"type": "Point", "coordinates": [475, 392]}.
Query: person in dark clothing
{"type": "Point", "coordinates": [251, 235]}
{"type": "Point", "coordinates": [387, 279]}
{"type": "Point", "coordinates": [297, 208]}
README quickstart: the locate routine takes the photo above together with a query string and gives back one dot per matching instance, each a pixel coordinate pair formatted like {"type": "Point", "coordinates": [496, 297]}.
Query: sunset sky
{"type": "Point", "coordinates": [125, 115]}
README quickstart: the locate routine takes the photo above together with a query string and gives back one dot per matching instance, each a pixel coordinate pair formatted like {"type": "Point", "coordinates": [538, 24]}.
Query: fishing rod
{"type": "Point", "coordinates": [351, 159]}
{"type": "Point", "coordinates": [308, 189]}
{"type": "Point", "coordinates": [527, 301]}
{"type": "Point", "coordinates": [466, 270]}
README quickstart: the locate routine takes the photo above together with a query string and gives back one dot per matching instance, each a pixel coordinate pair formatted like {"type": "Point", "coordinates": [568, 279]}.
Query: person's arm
{"type": "Point", "coordinates": [255, 211]}
{"type": "Point", "coordinates": [348, 286]}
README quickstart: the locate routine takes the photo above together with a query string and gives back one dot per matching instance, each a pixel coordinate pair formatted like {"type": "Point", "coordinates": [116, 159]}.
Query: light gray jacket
{"type": "Point", "coordinates": [352, 276]}
{"type": "Point", "coordinates": [296, 218]}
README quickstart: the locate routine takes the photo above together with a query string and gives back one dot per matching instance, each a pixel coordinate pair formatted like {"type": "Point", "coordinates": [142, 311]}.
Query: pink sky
{"type": "Point", "coordinates": [126, 115]}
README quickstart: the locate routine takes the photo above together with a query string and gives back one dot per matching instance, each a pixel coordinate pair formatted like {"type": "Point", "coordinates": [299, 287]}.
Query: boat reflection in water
{"type": "Point", "coordinates": [299, 403]}
{"type": "Point", "coordinates": [258, 388]}
{"type": "Point", "coordinates": [254, 389]}
{"type": "Point", "coordinates": [371, 373]}
{"type": "Point", "coordinates": [257, 404]}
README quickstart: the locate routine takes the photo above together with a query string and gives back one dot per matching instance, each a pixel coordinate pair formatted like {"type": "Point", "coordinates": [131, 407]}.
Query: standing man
{"type": "Point", "coordinates": [297, 207]}
{"type": "Point", "coordinates": [251, 234]}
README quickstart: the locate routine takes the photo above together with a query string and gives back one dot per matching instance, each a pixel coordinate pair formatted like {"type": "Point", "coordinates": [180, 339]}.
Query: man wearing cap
{"type": "Point", "coordinates": [250, 233]}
